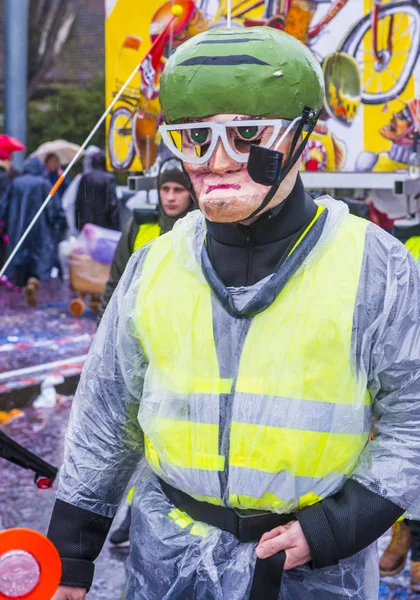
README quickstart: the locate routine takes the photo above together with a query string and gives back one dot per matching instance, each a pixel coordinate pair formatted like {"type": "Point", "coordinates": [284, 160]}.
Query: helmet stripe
{"type": "Point", "coordinates": [217, 61]}
{"type": "Point", "coordinates": [224, 40]}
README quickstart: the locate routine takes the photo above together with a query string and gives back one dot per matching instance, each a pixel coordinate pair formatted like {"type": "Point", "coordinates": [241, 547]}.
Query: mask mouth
{"type": "Point", "coordinates": [267, 166]}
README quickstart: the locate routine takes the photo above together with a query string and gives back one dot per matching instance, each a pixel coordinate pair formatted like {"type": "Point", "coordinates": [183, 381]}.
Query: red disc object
{"type": "Point", "coordinates": [44, 483]}
{"type": "Point", "coordinates": [312, 165]}
{"type": "Point", "coordinates": [35, 553]}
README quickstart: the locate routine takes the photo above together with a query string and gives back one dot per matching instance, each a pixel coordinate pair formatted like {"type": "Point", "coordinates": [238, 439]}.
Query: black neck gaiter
{"type": "Point", "coordinates": [243, 255]}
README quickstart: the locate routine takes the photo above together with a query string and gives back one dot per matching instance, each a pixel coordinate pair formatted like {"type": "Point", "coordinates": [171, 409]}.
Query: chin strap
{"type": "Point", "coordinates": [265, 166]}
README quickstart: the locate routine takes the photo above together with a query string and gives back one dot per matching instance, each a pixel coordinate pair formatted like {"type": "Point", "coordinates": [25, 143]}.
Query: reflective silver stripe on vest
{"type": "Point", "coordinates": [197, 408]}
{"type": "Point", "coordinates": [284, 485]}
{"type": "Point", "coordinates": [196, 482]}
{"type": "Point", "coordinates": [309, 415]}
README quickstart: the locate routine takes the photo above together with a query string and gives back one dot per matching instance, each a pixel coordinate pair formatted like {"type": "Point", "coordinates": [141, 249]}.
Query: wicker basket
{"type": "Point", "coordinates": [87, 276]}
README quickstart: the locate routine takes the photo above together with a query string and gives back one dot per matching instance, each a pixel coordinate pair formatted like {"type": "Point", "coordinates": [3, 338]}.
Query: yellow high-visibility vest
{"type": "Point", "coordinates": [413, 246]}
{"type": "Point", "coordinates": [146, 233]}
{"type": "Point", "coordinates": [299, 411]}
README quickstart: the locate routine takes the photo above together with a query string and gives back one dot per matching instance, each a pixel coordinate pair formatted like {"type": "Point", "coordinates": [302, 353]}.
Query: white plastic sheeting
{"type": "Point", "coordinates": [172, 558]}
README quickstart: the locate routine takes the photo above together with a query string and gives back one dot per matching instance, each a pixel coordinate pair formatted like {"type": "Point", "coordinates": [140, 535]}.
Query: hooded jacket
{"type": "Point", "coordinates": [96, 200]}
{"type": "Point", "coordinates": [23, 198]}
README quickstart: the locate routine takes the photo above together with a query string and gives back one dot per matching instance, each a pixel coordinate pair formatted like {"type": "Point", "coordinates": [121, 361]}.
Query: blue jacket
{"type": "Point", "coordinates": [18, 206]}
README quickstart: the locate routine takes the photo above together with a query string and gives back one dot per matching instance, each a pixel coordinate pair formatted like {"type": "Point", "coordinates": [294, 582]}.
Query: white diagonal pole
{"type": "Point", "coordinates": [156, 44]}
{"type": "Point", "coordinates": [61, 178]}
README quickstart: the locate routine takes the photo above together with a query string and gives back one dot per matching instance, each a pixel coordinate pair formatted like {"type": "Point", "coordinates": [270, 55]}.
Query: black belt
{"type": "Point", "coordinates": [246, 526]}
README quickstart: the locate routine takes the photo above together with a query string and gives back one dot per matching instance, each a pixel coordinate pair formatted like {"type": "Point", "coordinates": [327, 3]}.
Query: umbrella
{"type": "Point", "coordinates": [8, 145]}
{"type": "Point", "coordinates": [65, 151]}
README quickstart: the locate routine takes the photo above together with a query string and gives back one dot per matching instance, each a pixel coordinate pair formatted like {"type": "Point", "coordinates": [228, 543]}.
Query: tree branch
{"type": "Point", "coordinates": [61, 16]}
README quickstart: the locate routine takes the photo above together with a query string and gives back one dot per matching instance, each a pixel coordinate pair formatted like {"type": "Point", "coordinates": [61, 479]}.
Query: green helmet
{"type": "Point", "coordinates": [257, 71]}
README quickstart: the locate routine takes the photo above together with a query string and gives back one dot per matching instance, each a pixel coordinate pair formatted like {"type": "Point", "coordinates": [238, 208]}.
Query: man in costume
{"type": "Point", "coordinates": [247, 355]}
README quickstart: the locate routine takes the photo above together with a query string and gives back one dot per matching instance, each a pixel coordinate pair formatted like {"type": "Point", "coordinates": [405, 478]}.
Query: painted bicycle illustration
{"type": "Point", "coordinates": [134, 121]}
{"type": "Point", "coordinates": [385, 44]}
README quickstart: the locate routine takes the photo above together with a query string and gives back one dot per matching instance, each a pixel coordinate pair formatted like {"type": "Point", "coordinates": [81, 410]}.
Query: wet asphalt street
{"type": "Point", "coordinates": [42, 431]}
{"type": "Point", "coordinates": [29, 338]}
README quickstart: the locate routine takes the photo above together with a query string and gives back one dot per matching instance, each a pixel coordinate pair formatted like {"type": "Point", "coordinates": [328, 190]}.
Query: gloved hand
{"type": "Point", "coordinates": [69, 593]}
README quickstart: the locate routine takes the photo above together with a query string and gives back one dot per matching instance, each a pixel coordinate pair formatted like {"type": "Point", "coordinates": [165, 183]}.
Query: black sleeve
{"type": "Point", "coordinates": [345, 523]}
{"type": "Point", "coordinates": [78, 535]}
{"type": "Point", "coordinates": [121, 257]}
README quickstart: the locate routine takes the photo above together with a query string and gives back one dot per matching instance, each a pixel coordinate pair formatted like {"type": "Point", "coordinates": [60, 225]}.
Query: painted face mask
{"type": "Point", "coordinates": [258, 71]}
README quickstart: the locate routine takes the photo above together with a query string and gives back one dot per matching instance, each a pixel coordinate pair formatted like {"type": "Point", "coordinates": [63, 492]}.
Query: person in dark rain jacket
{"type": "Point", "coordinates": [97, 201]}
{"type": "Point", "coordinates": [22, 200]}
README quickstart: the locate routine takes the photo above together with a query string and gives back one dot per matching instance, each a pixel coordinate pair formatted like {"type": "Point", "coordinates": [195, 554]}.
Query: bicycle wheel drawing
{"type": "Point", "coordinates": [386, 50]}
{"type": "Point", "coordinates": [120, 139]}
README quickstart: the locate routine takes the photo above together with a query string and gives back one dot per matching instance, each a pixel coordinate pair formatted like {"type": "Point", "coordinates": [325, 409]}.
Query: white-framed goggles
{"type": "Point", "coordinates": [195, 142]}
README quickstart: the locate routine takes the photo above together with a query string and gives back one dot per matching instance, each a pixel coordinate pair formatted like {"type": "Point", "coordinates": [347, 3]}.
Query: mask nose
{"type": "Point", "coordinates": [220, 161]}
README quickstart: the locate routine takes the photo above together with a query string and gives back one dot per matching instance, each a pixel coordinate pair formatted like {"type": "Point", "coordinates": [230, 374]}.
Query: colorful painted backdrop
{"type": "Point", "coordinates": [368, 49]}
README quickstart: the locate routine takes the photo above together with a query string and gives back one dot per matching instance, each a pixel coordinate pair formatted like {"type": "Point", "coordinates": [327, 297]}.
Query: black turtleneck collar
{"type": "Point", "coordinates": [242, 255]}
{"type": "Point", "coordinates": [274, 225]}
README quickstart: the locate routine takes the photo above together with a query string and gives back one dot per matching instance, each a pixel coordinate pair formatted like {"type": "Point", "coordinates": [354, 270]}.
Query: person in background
{"type": "Point", "coordinates": [21, 202]}
{"type": "Point", "coordinates": [144, 226]}
{"type": "Point", "coordinates": [96, 200]}
{"type": "Point", "coordinates": [405, 532]}
{"type": "Point", "coordinates": [70, 195]}
{"type": "Point", "coordinates": [7, 174]}
{"type": "Point", "coordinates": [7, 171]}
{"type": "Point", "coordinates": [52, 172]}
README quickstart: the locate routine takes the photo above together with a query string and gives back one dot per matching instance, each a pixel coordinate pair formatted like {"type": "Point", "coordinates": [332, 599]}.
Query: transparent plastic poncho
{"type": "Point", "coordinates": [175, 558]}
